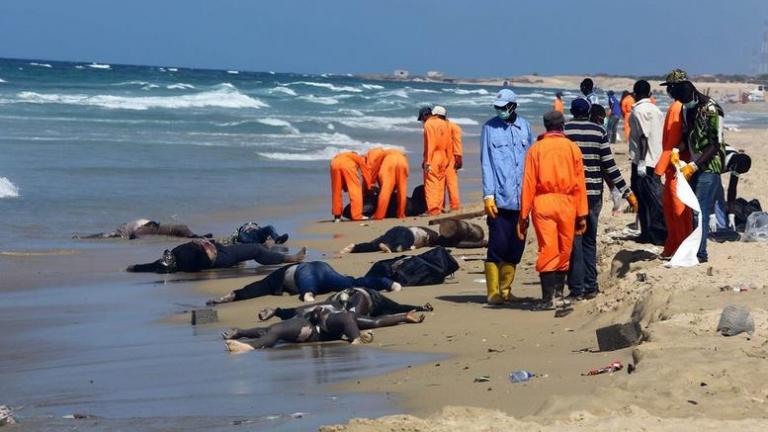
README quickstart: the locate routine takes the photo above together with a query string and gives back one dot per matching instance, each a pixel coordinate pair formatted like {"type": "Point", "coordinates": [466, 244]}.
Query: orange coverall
{"type": "Point", "coordinates": [555, 193]}
{"type": "Point", "coordinates": [437, 144]}
{"type": "Point", "coordinates": [626, 109]}
{"type": "Point", "coordinates": [451, 174]}
{"type": "Point", "coordinates": [678, 217]}
{"type": "Point", "coordinates": [391, 173]}
{"type": "Point", "coordinates": [344, 177]}
{"type": "Point", "coordinates": [557, 105]}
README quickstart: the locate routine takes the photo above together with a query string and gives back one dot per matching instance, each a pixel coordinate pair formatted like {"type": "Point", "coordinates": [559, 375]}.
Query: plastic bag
{"type": "Point", "coordinates": [757, 227]}
{"type": "Point", "coordinates": [685, 256]}
{"type": "Point", "coordinates": [735, 320]}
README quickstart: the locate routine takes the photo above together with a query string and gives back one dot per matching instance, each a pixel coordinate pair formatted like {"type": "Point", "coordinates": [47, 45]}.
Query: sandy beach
{"type": "Point", "coordinates": [684, 369]}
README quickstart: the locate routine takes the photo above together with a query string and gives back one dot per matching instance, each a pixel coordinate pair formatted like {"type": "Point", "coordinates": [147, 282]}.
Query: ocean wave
{"type": "Point", "coordinates": [328, 86]}
{"type": "Point", "coordinates": [173, 69]}
{"type": "Point", "coordinates": [285, 90]}
{"type": "Point", "coordinates": [8, 189]}
{"type": "Point", "coordinates": [265, 121]}
{"type": "Point", "coordinates": [524, 100]}
{"type": "Point", "coordinates": [223, 96]}
{"type": "Point", "coordinates": [99, 66]}
{"type": "Point", "coordinates": [320, 100]}
{"type": "Point", "coordinates": [79, 67]}
{"type": "Point", "coordinates": [43, 65]}
{"type": "Point", "coordinates": [401, 93]}
{"type": "Point", "coordinates": [335, 144]}
{"type": "Point", "coordinates": [401, 124]}
{"type": "Point", "coordinates": [464, 121]}
{"type": "Point", "coordinates": [150, 86]}
{"type": "Point", "coordinates": [372, 87]}
{"type": "Point", "coordinates": [353, 112]}
{"type": "Point", "coordinates": [180, 86]}
{"type": "Point", "coordinates": [131, 83]}
{"type": "Point", "coordinates": [459, 91]}
{"type": "Point", "coordinates": [233, 72]}
{"type": "Point", "coordinates": [3, 81]}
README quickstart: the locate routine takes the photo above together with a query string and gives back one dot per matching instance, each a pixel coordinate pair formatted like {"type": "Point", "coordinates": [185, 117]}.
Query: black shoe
{"type": "Point", "coordinates": [591, 295]}
{"type": "Point", "coordinates": [575, 297]}
{"type": "Point", "coordinates": [281, 239]}
{"type": "Point", "coordinates": [703, 260]}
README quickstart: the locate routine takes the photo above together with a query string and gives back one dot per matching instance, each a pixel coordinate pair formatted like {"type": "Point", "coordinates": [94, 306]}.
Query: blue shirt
{"type": "Point", "coordinates": [502, 158]}
{"type": "Point", "coordinates": [615, 106]}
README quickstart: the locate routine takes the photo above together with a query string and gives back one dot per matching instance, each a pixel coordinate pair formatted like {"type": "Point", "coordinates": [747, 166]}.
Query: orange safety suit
{"type": "Point", "coordinates": [626, 109]}
{"type": "Point", "coordinates": [437, 144]}
{"type": "Point", "coordinates": [557, 105]}
{"type": "Point", "coordinates": [391, 171]}
{"type": "Point", "coordinates": [555, 194]}
{"type": "Point", "coordinates": [451, 174]}
{"type": "Point", "coordinates": [345, 168]}
{"type": "Point", "coordinates": [677, 215]}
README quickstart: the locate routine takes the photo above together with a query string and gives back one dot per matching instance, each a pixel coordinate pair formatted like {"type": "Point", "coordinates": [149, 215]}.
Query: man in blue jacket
{"type": "Point", "coordinates": [503, 143]}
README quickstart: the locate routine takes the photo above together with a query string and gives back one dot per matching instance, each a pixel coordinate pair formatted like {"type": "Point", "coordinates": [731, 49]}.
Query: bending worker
{"type": "Point", "coordinates": [677, 216]}
{"type": "Point", "coordinates": [555, 195]}
{"type": "Point", "coordinates": [345, 170]}
{"type": "Point", "coordinates": [455, 162]}
{"type": "Point", "coordinates": [504, 141]}
{"type": "Point", "coordinates": [389, 167]}
{"type": "Point", "coordinates": [437, 145]}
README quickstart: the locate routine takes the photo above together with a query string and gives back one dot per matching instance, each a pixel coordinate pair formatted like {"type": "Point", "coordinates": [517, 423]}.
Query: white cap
{"type": "Point", "coordinates": [439, 110]}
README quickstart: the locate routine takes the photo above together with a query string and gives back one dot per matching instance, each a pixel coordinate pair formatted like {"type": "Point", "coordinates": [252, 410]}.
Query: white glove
{"type": "Point", "coordinates": [641, 168]}
{"type": "Point", "coordinates": [712, 223]}
{"type": "Point", "coordinates": [732, 221]}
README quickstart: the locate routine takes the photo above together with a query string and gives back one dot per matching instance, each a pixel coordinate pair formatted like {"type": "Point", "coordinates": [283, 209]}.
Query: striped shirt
{"type": "Point", "coordinates": [598, 158]}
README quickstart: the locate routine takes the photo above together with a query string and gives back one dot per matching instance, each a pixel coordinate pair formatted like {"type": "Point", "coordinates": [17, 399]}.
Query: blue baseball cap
{"type": "Point", "coordinates": [504, 97]}
{"type": "Point", "coordinates": [580, 107]}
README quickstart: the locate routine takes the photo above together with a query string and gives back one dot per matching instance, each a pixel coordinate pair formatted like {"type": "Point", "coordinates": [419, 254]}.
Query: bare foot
{"type": "Point", "coordinates": [230, 334]}
{"type": "Point", "coordinates": [298, 257]}
{"type": "Point", "coordinates": [236, 347]}
{"type": "Point", "coordinates": [428, 307]}
{"type": "Point", "coordinates": [396, 287]}
{"type": "Point", "coordinates": [366, 336]}
{"type": "Point", "coordinates": [412, 318]}
{"type": "Point", "coordinates": [309, 298]}
{"type": "Point", "coordinates": [224, 299]}
{"type": "Point", "coordinates": [384, 248]}
{"type": "Point", "coordinates": [266, 314]}
{"type": "Point", "coordinates": [348, 248]}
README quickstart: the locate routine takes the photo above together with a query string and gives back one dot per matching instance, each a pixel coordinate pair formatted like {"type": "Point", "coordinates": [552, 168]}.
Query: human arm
{"type": "Point", "coordinates": [580, 189]}
{"type": "Point", "coordinates": [486, 164]}
{"type": "Point", "coordinates": [528, 191]}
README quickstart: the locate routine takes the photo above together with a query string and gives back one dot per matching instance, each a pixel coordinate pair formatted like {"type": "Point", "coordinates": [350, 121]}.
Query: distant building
{"type": "Point", "coordinates": [435, 75]}
{"type": "Point", "coordinates": [401, 73]}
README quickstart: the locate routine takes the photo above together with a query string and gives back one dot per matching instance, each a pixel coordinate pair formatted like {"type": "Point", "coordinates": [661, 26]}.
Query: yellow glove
{"type": "Point", "coordinates": [632, 200]}
{"type": "Point", "coordinates": [522, 228]}
{"type": "Point", "coordinates": [581, 225]}
{"type": "Point", "coordinates": [689, 170]}
{"type": "Point", "coordinates": [490, 207]}
{"type": "Point", "coordinates": [674, 157]}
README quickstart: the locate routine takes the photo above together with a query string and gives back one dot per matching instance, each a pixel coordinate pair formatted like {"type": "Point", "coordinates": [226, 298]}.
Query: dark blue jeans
{"type": "Point", "coordinates": [319, 277]}
{"type": "Point", "coordinates": [706, 186]}
{"type": "Point", "coordinates": [582, 276]}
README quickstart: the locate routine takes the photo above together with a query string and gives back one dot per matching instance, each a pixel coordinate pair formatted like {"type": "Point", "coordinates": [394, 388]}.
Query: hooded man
{"type": "Point", "coordinates": [555, 196]}
{"type": "Point", "coordinates": [504, 141]}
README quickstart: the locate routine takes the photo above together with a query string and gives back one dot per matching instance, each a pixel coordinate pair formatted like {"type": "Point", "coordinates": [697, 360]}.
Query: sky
{"type": "Point", "coordinates": [467, 38]}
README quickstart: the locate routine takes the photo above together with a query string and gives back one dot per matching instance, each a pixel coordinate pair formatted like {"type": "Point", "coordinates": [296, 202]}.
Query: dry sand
{"type": "Point", "coordinates": [684, 369]}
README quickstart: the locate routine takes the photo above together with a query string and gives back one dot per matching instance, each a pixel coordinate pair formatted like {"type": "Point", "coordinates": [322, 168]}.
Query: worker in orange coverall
{"type": "Point", "coordinates": [346, 168]}
{"type": "Point", "coordinates": [555, 194]}
{"type": "Point", "coordinates": [455, 162]}
{"type": "Point", "coordinates": [389, 167]}
{"type": "Point", "coordinates": [677, 215]}
{"type": "Point", "coordinates": [627, 101]}
{"type": "Point", "coordinates": [437, 145]}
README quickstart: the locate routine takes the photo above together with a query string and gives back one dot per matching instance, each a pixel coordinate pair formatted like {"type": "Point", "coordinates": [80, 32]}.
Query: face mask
{"type": "Point", "coordinates": [691, 104]}
{"type": "Point", "coordinates": [503, 114]}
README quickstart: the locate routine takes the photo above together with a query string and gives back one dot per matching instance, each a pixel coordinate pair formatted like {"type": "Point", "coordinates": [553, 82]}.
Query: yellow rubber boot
{"type": "Point", "coordinates": [506, 277]}
{"type": "Point", "coordinates": [492, 283]}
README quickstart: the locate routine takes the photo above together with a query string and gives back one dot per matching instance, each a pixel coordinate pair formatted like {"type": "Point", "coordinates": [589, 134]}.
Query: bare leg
{"type": "Point", "coordinates": [223, 299]}
{"type": "Point", "coordinates": [237, 347]}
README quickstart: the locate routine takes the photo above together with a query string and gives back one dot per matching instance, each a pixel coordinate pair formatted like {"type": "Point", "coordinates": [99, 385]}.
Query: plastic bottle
{"type": "Point", "coordinates": [521, 376]}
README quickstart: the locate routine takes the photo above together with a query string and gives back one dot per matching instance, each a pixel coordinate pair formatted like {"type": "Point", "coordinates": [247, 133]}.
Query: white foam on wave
{"type": "Point", "coordinates": [524, 100]}
{"type": "Point", "coordinates": [323, 100]}
{"type": "Point", "coordinates": [460, 91]}
{"type": "Point", "coordinates": [279, 123]}
{"type": "Point", "coordinates": [99, 66]}
{"type": "Point", "coordinates": [180, 86]}
{"type": "Point", "coordinates": [43, 65]}
{"type": "Point", "coordinates": [222, 96]}
{"type": "Point", "coordinates": [401, 124]}
{"type": "Point", "coordinates": [285, 90]}
{"type": "Point", "coordinates": [8, 189]}
{"type": "Point", "coordinates": [372, 87]}
{"type": "Point", "coordinates": [464, 121]}
{"type": "Point", "coordinates": [353, 112]}
{"type": "Point", "coordinates": [79, 67]}
{"type": "Point", "coordinates": [150, 86]}
{"type": "Point", "coordinates": [131, 83]}
{"type": "Point", "coordinates": [415, 90]}
{"type": "Point", "coordinates": [173, 69]}
{"type": "Point", "coordinates": [328, 86]}
{"type": "Point", "coordinates": [333, 145]}
{"type": "Point", "coordinates": [233, 72]}
{"type": "Point", "coordinates": [3, 81]}
{"type": "Point", "coordinates": [401, 93]}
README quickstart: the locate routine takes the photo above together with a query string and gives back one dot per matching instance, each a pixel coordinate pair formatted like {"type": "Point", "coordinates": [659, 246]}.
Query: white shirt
{"type": "Point", "coordinates": [646, 120]}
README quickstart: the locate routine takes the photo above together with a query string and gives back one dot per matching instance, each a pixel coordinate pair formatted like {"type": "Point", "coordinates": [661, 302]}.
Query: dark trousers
{"type": "Point", "coordinates": [397, 239]}
{"type": "Point", "coordinates": [231, 255]}
{"type": "Point", "coordinates": [650, 212]}
{"type": "Point", "coordinates": [582, 276]}
{"type": "Point", "coordinates": [706, 186]}
{"type": "Point", "coordinates": [613, 125]}
{"type": "Point", "coordinates": [503, 244]}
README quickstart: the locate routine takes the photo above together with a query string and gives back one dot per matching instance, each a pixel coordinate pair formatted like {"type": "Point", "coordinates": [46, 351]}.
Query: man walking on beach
{"type": "Point", "coordinates": [587, 87]}
{"type": "Point", "coordinates": [504, 141]}
{"type": "Point", "coordinates": [555, 196]}
{"type": "Point", "coordinates": [455, 161]}
{"type": "Point", "coordinates": [644, 151]}
{"type": "Point", "coordinates": [598, 165]}
{"type": "Point", "coordinates": [437, 145]}
{"type": "Point", "coordinates": [614, 108]}
{"type": "Point", "coordinates": [677, 216]}
{"type": "Point", "coordinates": [703, 136]}
{"type": "Point", "coordinates": [345, 170]}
